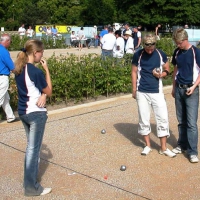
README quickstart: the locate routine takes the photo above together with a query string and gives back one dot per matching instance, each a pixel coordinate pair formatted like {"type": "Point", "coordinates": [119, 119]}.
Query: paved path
{"type": "Point", "coordinates": [80, 163]}
{"type": "Point", "coordinates": [49, 52]}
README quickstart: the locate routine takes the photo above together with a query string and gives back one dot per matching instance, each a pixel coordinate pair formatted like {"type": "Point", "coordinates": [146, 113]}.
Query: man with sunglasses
{"type": "Point", "coordinates": [149, 66]}
{"type": "Point", "coordinates": [6, 65]}
{"type": "Point", "coordinates": [186, 78]}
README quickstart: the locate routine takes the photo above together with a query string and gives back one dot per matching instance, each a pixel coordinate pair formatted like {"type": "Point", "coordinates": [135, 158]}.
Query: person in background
{"type": "Point", "coordinates": [54, 31]}
{"type": "Point", "coordinates": [126, 28]}
{"type": "Point", "coordinates": [137, 37]}
{"type": "Point", "coordinates": [186, 79]}
{"type": "Point", "coordinates": [6, 65]}
{"type": "Point", "coordinates": [93, 37]}
{"type": "Point", "coordinates": [118, 50]}
{"type": "Point", "coordinates": [149, 66]}
{"type": "Point", "coordinates": [108, 42]}
{"type": "Point", "coordinates": [102, 33]}
{"type": "Point", "coordinates": [48, 32]}
{"type": "Point", "coordinates": [30, 32]}
{"type": "Point", "coordinates": [157, 31]}
{"type": "Point", "coordinates": [74, 39]}
{"type": "Point", "coordinates": [82, 39]}
{"type": "Point", "coordinates": [32, 87]}
{"type": "Point", "coordinates": [129, 48]}
{"type": "Point", "coordinates": [21, 31]}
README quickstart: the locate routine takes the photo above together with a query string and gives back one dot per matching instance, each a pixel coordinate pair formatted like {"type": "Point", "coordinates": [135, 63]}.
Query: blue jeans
{"type": "Point", "coordinates": [187, 115]}
{"type": "Point", "coordinates": [106, 53]}
{"type": "Point", "coordinates": [34, 124]}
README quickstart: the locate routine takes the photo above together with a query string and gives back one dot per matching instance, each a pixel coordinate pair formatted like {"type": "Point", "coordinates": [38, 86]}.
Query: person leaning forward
{"type": "Point", "coordinates": [149, 66]}
{"type": "Point", "coordinates": [6, 65]}
{"type": "Point", "coordinates": [186, 79]}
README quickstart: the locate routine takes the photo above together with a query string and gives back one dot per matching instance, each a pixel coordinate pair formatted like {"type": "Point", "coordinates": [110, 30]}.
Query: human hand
{"type": "Point", "coordinates": [41, 101]}
{"type": "Point", "coordinates": [156, 73]}
{"type": "Point", "coordinates": [190, 90]}
{"type": "Point", "coordinates": [44, 64]}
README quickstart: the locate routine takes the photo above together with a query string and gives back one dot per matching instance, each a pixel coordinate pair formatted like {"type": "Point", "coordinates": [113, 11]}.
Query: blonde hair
{"type": "Point", "coordinates": [30, 47]}
{"type": "Point", "coordinates": [180, 34]}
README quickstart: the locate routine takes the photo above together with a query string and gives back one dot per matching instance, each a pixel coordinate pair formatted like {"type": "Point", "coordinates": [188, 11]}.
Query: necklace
{"type": "Point", "coordinates": [185, 51]}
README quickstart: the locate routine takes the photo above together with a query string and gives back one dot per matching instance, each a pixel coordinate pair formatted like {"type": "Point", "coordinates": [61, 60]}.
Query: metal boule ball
{"type": "Point", "coordinates": [103, 131]}
{"type": "Point", "coordinates": [158, 70]}
{"type": "Point", "coordinates": [123, 168]}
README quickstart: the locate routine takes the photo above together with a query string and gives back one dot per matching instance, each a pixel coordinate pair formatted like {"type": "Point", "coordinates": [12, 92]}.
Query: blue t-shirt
{"type": "Point", "coordinates": [30, 84]}
{"type": "Point", "coordinates": [146, 63]}
{"type": "Point", "coordinates": [187, 69]}
{"type": "Point", "coordinates": [6, 63]}
{"type": "Point", "coordinates": [102, 33]}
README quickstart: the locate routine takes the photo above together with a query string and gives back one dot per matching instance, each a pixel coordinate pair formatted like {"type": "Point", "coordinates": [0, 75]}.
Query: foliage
{"type": "Point", "coordinates": [89, 12]}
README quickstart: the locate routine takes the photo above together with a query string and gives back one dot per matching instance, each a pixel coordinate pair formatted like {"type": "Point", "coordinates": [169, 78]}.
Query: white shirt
{"type": "Point", "coordinates": [93, 32]}
{"type": "Point", "coordinates": [108, 41]}
{"type": "Point", "coordinates": [129, 46]}
{"type": "Point", "coordinates": [119, 53]}
{"type": "Point", "coordinates": [48, 31]}
{"type": "Point", "coordinates": [30, 32]}
{"type": "Point", "coordinates": [81, 35]}
{"type": "Point", "coordinates": [22, 31]}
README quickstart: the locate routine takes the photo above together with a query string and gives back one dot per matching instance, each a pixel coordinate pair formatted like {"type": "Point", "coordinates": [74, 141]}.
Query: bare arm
{"type": "Point", "coordinates": [134, 80]}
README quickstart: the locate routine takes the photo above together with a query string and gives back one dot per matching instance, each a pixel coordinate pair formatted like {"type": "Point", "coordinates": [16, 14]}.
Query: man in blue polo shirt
{"type": "Point", "coordinates": [186, 79]}
{"type": "Point", "coordinates": [6, 65]}
{"type": "Point", "coordinates": [149, 66]}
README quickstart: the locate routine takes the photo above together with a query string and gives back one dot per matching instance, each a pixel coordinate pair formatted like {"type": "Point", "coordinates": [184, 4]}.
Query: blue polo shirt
{"type": "Point", "coordinates": [184, 60]}
{"type": "Point", "coordinates": [6, 63]}
{"type": "Point", "coordinates": [146, 63]}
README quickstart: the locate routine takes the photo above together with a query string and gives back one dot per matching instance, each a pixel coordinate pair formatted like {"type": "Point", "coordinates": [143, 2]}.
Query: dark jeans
{"type": "Point", "coordinates": [34, 124]}
{"type": "Point", "coordinates": [187, 114]}
{"type": "Point", "coordinates": [106, 53]}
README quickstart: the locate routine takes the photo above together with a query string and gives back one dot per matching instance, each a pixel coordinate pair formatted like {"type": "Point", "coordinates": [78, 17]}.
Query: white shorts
{"type": "Point", "coordinates": [157, 101]}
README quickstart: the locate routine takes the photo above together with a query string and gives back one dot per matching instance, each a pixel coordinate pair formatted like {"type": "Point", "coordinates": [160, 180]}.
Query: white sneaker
{"type": "Point", "coordinates": [46, 191]}
{"type": "Point", "coordinates": [194, 159]}
{"type": "Point", "coordinates": [178, 150]}
{"type": "Point", "coordinates": [167, 152]}
{"type": "Point", "coordinates": [146, 151]}
{"type": "Point", "coordinates": [11, 120]}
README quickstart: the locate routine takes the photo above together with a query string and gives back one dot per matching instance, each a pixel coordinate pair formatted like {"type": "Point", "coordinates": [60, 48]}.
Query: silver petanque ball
{"type": "Point", "coordinates": [103, 131]}
{"type": "Point", "coordinates": [123, 168]}
{"type": "Point", "coordinates": [158, 69]}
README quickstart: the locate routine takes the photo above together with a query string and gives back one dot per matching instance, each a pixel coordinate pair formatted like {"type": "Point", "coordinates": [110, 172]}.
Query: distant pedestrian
{"type": "Point", "coordinates": [102, 33]}
{"type": "Point", "coordinates": [32, 87]}
{"type": "Point", "coordinates": [6, 65]}
{"type": "Point", "coordinates": [22, 31]}
{"type": "Point", "coordinates": [137, 39]}
{"type": "Point", "coordinates": [118, 50]}
{"type": "Point", "coordinates": [129, 48]}
{"type": "Point", "coordinates": [108, 42]}
{"type": "Point", "coordinates": [30, 32]}
{"type": "Point", "coordinates": [157, 31]}
{"type": "Point", "coordinates": [82, 39]}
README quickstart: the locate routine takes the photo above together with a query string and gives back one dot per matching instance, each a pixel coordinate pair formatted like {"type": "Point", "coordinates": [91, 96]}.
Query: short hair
{"type": "Point", "coordinates": [110, 29]}
{"type": "Point", "coordinates": [118, 32]}
{"type": "Point", "coordinates": [5, 37]}
{"type": "Point", "coordinates": [180, 34]}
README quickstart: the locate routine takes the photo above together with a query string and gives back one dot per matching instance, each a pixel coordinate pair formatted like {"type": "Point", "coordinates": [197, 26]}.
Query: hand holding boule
{"type": "Point", "coordinates": [156, 73]}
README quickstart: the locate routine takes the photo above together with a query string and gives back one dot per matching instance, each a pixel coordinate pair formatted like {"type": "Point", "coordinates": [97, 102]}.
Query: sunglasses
{"type": "Point", "coordinates": [149, 44]}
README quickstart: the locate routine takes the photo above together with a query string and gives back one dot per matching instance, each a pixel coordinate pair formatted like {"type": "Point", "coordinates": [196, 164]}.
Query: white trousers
{"type": "Point", "coordinates": [5, 98]}
{"type": "Point", "coordinates": [157, 102]}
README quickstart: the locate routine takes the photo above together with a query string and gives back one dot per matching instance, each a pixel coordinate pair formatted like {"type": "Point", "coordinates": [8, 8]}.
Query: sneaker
{"type": "Point", "coordinates": [178, 150]}
{"type": "Point", "coordinates": [146, 151]}
{"type": "Point", "coordinates": [167, 152]}
{"type": "Point", "coordinates": [46, 191]}
{"type": "Point", "coordinates": [194, 159]}
{"type": "Point", "coordinates": [10, 120]}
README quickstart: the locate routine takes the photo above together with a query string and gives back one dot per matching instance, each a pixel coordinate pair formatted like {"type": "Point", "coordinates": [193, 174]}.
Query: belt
{"type": "Point", "coordinates": [184, 86]}
{"type": "Point", "coordinates": [4, 75]}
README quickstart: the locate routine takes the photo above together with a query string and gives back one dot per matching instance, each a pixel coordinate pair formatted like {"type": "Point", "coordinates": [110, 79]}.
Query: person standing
{"type": "Point", "coordinates": [22, 31]}
{"type": "Point", "coordinates": [32, 87]}
{"type": "Point", "coordinates": [6, 65]}
{"type": "Point", "coordinates": [82, 38]}
{"type": "Point", "coordinates": [102, 33]}
{"type": "Point", "coordinates": [157, 31]}
{"type": "Point", "coordinates": [93, 37]}
{"type": "Point", "coordinates": [108, 42]}
{"type": "Point", "coordinates": [149, 66]}
{"type": "Point", "coordinates": [118, 50]}
{"type": "Point", "coordinates": [129, 48]}
{"type": "Point", "coordinates": [137, 39]}
{"type": "Point", "coordinates": [30, 32]}
{"type": "Point", "coordinates": [186, 79]}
